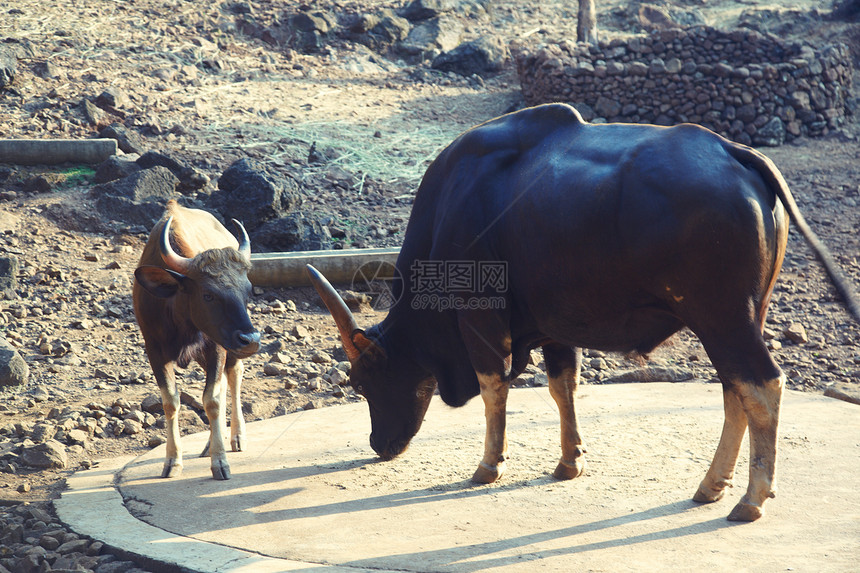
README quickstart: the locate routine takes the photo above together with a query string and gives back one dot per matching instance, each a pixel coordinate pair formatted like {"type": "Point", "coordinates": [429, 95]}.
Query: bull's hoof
{"type": "Point", "coordinates": [708, 495]}
{"type": "Point", "coordinates": [221, 472]}
{"type": "Point", "coordinates": [744, 511]}
{"type": "Point", "coordinates": [487, 473]}
{"type": "Point", "coordinates": [569, 470]}
{"type": "Point", "coordinates": [171, 469]}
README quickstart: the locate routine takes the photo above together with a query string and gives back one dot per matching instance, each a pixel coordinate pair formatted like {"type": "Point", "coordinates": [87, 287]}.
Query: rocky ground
{"type": "Point", "coordinates": [353, 123]}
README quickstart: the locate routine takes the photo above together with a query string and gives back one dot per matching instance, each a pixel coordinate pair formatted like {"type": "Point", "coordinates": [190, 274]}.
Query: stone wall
{"type": "Point", "coordinates": [749, 87]}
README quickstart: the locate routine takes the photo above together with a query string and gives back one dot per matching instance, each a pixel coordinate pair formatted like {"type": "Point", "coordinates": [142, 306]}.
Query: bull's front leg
{"type": "Point", "coordinates": [235, 368]}
{"type": "Point", "coordinates": [494, 392]}
{"type": "Point", "coordinates": [563, 366]}
{"type": "Point", "coordinates": [214, 402]}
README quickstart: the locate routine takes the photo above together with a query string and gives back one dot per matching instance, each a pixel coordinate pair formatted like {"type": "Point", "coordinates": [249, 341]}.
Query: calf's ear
{"type": "Point", "coordinates": [157, 281]}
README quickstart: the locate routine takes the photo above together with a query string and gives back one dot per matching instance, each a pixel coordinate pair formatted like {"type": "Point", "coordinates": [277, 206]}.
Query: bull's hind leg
{"type": "Point", "coordinates": [761, 404]}
{"type": "Point", "coordinates": [722, 469]}
{"type": "Point", "coordinates": [753, 386]}
{"type": "Point", "coordinates": [235, 368]}
{"type": "Point", "coordinates": [562, 366]}
{"type": "Point", "coordinates": [494, 392]}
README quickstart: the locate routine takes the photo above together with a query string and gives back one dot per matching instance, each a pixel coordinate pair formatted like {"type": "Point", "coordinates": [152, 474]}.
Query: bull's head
{"type": "Point", "coordinates": [397, 390]}
{"type": "Point", "coordinates": [213, 287]}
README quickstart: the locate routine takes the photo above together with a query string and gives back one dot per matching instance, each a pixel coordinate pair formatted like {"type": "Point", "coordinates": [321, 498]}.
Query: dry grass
{"type": "Point", "coordinates": [388, 155]}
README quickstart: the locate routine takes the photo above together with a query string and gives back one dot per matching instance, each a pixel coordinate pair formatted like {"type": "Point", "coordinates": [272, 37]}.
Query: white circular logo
{"type": "Point", "coordinates": [381, 281]}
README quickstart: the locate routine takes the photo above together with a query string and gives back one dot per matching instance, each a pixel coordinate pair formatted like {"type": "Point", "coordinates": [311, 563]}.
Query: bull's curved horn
{"type": "Point", "coordinates": [244, 241]}
{"type": "Point", "coordinates": [173, 261]}
{"type": "Point", "coordinates": [346, 324]}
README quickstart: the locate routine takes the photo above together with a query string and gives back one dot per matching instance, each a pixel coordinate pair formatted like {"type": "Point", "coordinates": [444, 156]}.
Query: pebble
{"type": "Point", "coordinates": [796, 333]}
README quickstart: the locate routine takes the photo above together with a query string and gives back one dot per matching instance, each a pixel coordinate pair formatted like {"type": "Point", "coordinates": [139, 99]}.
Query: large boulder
{"type": "Point", "coordinates": [432, 37]}
{"type": "Point", "coordinates": [138, 199]}
{"type": "Point", "coordinates": [251, 193]}
{"type": "Point", "coordinates": [484, 56]}
{"type": "Point", "coordinates": [190, 179]}
{"type": "Point", "coordinates": [381, 31]}
{"type": "Point", "coordinates": [293, 232]}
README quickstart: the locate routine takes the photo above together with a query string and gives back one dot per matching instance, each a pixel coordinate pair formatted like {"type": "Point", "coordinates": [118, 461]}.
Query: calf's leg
{"type": "Point", "coordinates": [235, 368]}
{"type": "Point", "coordinates": [494, 393]}
{"type": "Point", "coordinates": [563, 365]}
{"type": "Point", "coordinates": [214, 399]}
{"type": "Point", "coordinates": [165, 377]}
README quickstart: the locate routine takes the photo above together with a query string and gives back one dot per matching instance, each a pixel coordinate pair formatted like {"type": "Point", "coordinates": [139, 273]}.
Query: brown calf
{"type": "Point", "coordinates": [190, 300]}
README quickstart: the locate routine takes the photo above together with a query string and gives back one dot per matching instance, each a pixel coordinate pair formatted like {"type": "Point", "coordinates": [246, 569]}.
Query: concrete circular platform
{"type": "Point", "coordinates": [309, 493]}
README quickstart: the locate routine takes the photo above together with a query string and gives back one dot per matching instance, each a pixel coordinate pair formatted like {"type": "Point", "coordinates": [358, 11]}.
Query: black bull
{"type": "Point", "coordinates": [611, 237]}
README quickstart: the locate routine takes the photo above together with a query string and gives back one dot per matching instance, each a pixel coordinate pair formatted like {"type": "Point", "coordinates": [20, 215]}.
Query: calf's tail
{"type": "Point", "coordinates": [774, 180]}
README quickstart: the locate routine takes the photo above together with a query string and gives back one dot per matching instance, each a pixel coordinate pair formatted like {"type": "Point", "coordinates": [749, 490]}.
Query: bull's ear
{"type": "Point", "coordinates": [369, 349]}
{"type": "Point", "coordinates": [157, 281]}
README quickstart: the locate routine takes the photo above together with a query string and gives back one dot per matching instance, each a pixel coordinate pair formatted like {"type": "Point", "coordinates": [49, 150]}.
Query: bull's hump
{"type": "Point", "coordinates": [520, 131]}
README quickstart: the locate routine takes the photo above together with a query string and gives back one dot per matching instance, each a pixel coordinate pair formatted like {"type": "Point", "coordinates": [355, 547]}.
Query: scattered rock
{"type": "Point", "coordinates": [650, 374]}
{"type": "Point", "coordinates": [114, 168]}
{"type": "Point", "coordinates": [47, 455]}
{"type": "Point", "coordinates": [93, 113]}
{"type": "Point", "coordinates": [796, 333]}
{"type": "Point", "coordinates": [9, 269]}
{"type": "Point", "coordinates": [112, 97]}
{"type": "Point", "coordinates": [771, 134]}
{"type": "Point", "coordinates": [152, 404]}
{"type": "Point", "coordinates": [8, 66]}
{"type": "Point", "coordinates": [126, 139]}
{"type": "Point", "coordinates": [13, 369]}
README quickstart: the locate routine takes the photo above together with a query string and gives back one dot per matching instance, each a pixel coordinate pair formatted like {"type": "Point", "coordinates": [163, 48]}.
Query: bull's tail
{"type": "Point", "coordinates": [774, 180]}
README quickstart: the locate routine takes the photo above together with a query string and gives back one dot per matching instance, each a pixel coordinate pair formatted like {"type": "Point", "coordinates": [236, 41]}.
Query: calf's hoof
{"type": "Point", "coordinates": [569, 470]}
{"type": "Point", "coordinates": [171, 469]}
{"type": "Point", "coordinates": [744, 511]}
{"type": "Point", "coordinates": [487, 473]}
{"type": "Point", "coordinates": [236, 443]}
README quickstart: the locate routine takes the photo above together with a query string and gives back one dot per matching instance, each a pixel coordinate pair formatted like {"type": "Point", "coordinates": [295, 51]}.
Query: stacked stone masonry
{"type": "Point", "coordinates": [752, 88]}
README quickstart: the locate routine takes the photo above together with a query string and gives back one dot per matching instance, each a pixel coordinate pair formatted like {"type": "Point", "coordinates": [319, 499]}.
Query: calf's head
{"type": "Point", "coordinates": [397, 390]}
{"type": "Point", "coordinates": [211, 289]}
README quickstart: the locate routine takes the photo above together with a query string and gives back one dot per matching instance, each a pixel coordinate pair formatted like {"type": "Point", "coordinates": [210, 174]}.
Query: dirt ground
{"type": "Point", "coordinates": [203, 92]}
